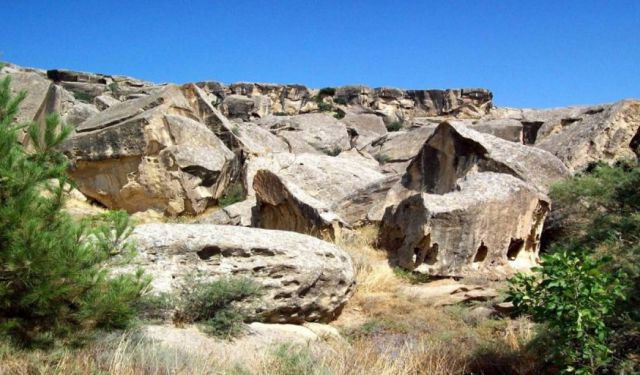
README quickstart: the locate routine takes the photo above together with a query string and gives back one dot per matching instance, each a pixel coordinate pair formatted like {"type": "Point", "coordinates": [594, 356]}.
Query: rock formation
{"type": "Point", "coordinates": [303, 278]}
{"type": "Point", "coordinates": [456, 185]}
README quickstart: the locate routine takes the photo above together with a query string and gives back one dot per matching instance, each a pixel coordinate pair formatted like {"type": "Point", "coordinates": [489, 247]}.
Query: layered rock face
{"type": "Point", "coordinates": [303, 278]}
{"type": "Point", "coordinates": [150, 153]}
{"type": "Point", "coordinates": [469, 202]}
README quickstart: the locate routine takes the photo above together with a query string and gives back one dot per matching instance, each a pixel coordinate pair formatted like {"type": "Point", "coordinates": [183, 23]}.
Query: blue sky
{"type": "Point", "coordinates": [530, 54]}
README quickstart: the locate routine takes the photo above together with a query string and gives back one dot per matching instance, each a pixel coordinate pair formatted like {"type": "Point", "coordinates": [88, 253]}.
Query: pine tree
{"type": "Point", "coordinates": [54, 279]}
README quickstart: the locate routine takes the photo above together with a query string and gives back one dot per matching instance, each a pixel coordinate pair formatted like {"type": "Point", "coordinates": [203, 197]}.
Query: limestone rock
{"type": "Point", "coordinates": [103, 102]}
{"type": "Point", "coordinates": [319, 130]}
{"type": "Point", "coordinates": [364, 128]}
{"type": "Point", "coordinates": [79, 113]}
{"type": "Point", "coordinates": [240, 213]}
{"type": "Point", "coordinates": [297, 192]}
{"type": "Point", "coordinates": [455, 150]}
{"type": "Point", "coordinates": [486, 223]}
{"type": "Point", "coordinates": [145, 154]}
{"type": "Point", "coordinates": [303, 278]}
{"type": "Point", "coordinates": [605, 133]}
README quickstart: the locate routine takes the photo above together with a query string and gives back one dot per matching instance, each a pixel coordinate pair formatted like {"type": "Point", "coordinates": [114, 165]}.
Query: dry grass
{"type": "Point", "coordinates": [385, 333]}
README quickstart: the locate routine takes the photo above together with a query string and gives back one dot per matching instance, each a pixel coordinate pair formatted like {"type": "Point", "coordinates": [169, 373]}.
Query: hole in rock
{"type": "Point", "coordinates": [432, 255]}
{"type": "Point", "coordinates": [481, 254]}
{"type": "Point", "coordinates": [515, 246]}
{"type": "Point", "coordinates": [208, 251]}
{"type": "Point", "coordinates": [530, 131]}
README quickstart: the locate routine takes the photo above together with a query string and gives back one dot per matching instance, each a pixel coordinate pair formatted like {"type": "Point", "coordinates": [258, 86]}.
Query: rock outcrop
{"type": "Point", "coordinates": [469, 202]}
{"type": "Point", "coordinates": [149, 153]}
{"type": "Point", "coordinates": [303, 278]}
{"type": "Point", "coordinates": [490, 222]}
{"type": "Point", "coordinates": [298, 192]}
{"type": "Point", "coordinates": [455, 150]}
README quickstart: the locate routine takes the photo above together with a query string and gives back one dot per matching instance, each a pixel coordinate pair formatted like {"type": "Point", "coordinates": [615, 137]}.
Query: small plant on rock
{"type": "Point", "coordinates": [216, 304]}
{"type": "Point", "coordinates": [395, 126]}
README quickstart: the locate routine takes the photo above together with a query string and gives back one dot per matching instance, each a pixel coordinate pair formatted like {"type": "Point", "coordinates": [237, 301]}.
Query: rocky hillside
{"type": "Point", "coordinates": [456, 185]}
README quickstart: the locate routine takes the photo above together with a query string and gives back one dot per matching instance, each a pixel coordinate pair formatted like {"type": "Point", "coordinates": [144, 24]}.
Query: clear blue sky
{"type": "Point", "coordinates": [530, 54]}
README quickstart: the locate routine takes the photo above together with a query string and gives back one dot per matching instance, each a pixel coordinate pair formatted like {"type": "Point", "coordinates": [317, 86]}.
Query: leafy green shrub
{"type": "Point", "coordinates": [82, 96]}
{"type": "Point", "coordinates": [340, 114]}
{"type": "Point", "coordinates": [325, 107]}
{"type": "Point", "coordinates": [341, 100]}
{"type": "Point", "coordinates": [114, 88]}
{"type": "Point", "coordinates": [395, 126]}
{"type": "Point", "coordinates": [53, 277]}
{"type": "Point", "coordinates": [280, 114]}
{"type": "Point", "coordinates": [599, 215]}
{"type": "Point", "coordinates": [382, 158]}
{"type": "Point", "coordinates": [234, 193]}
{"type": "Point", "coordinates": [573, 296]}
{"type": "Point", "coordinates": [411, 276]}
{"type": "Point", "coordinates": [215, 304]}
{"type": "Point", "coordinates": [333, 151]}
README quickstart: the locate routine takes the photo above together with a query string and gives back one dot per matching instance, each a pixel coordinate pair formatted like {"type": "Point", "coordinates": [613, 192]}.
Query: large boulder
{"type": "Point", "coordinates": [149, 153]}
{"type": "Point", "coordinates": [319, 130]}
{"type": "Point", "coordinates": [297, 192]}
{"type": "Point", "coordinates": [364, 128]}
{"type": "Point", "coordinates": [303, 278]}
{"type": "Point", "coordinates": [488, 223]}
{"type": "Point", "coordinates": [455, 150]}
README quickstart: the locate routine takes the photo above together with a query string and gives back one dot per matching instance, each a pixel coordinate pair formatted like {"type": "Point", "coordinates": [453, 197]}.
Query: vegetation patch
{"type": "Point", "coordinates": [395, 126]}
{"type": "Point", "coordinates": [54, 279]}
{"type": "Point", "coordinates": [233, 194]}
{"type": "Point", "coordinates": [216, 304]}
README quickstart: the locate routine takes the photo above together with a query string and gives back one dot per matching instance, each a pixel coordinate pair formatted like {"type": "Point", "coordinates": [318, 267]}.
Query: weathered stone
{"type": "Point", "coordinates": [603, 133]}
{"type": "Point", "coordinates": [103, 102]}
{"type": "Point", "coordinates": [319, 130]}
{"type": "Point", "coordinates": [454, 150]}
{"type": "Point", "coordinates": [401, 145]}
{"type": "Point", "coordinates": [141, 155]}
{"type": "Point", "coordinates": [364, 128]}
{"type": "Point", "coordinates": [79, 113]}
{"type": "Point", "coordinates": [240, 213]}
{"type": "Point", "coordinates": [303, 278]}
{"type": "Point", "coordinates": [487, 222]}
{"type": "Point", "coordinates": [510, 130]}
{"type": "Point", "coordinates": [297, 192]}
{"type": "Point", "coordinates": [367, 204]}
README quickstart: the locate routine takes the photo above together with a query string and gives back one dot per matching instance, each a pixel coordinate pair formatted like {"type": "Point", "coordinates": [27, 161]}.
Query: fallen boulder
{"type": "Point", "coordinates": [487, 223]}
{"type": "Point", "coordinates": [303, 278]}
{"type": "Point", "coordinates": [149, 153]}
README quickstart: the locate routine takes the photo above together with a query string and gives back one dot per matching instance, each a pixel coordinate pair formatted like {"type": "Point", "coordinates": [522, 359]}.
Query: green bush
{"type": "Point", "coordinates": [215, 304]}
{"type": "Point", "coordinates": [382, 158]}
{"type": "Point", "coordinates": [333, 151]}
{"type": "Point", "coordinates": [54, 283]}
{"type": "Point", "coordinates": [395, 126]}
{"type": "Point", "coordinates": [573, 296]}
{"type": "Point", "coordinates": [341, 100]}
{"type": "Point", "coordinates": [234, 193]}
{"type": "Point", "coordinates": [325, 107]}
{"type": "Point", "coordinates": [82, 96]}
{"type": "Point", "coordinates": [597, 238]}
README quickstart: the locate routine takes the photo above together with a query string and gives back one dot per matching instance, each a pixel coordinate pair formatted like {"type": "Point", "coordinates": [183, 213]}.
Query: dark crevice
{"type": "Point", "coordinates": [515, 246]}
{"type": "Point", "coordinates": [208, 251]}
{"type": "Point", "coordinates": [481, 254]}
